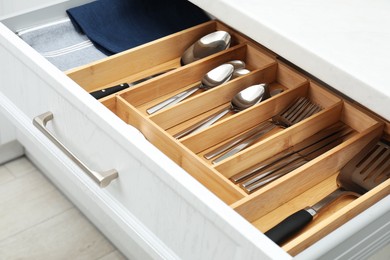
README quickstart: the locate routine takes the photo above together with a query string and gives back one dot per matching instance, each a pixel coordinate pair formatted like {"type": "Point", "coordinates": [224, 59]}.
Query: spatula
{"type": "Point", "coordinates": [366, 170]}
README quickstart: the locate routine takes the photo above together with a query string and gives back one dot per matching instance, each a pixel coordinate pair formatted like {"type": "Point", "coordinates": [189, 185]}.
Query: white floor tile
{"type": "Point", "coordinates": [27, 201]}
{"type": "Point", "coordinates": [115, 255]}
{"type": "Point", "coordinates": [20, 166]}
{"type": "Point", "coordinates": [38, 222]}
{"type": "Point", "coordinates": [5, 175]}
{"type": "Point", "coordinates": [66, 236]}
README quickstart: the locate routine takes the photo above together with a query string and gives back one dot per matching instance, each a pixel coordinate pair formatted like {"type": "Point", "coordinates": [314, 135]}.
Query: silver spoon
{"type": "Point", "coordinates": [209, 85]}
{"type": "Point", "coordinates": [244, 99]}
{"type": "Point", "coordinates": [211, 79]}
{"type": "Point", "coordinates": [209, 44]}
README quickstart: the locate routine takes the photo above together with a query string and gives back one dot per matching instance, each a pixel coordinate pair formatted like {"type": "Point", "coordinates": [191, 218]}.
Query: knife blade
{"type": "Point", "coordinates": [291, 158]}
{"type": "Point", "coordinates": [300, 159]}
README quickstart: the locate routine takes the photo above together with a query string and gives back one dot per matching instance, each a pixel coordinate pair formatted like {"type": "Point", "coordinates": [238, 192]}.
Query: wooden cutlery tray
{"type": "Point", "coordinates": [268, 205]}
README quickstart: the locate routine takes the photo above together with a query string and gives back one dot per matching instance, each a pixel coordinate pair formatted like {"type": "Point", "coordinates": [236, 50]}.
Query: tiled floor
{"type": "Point", "coordinates": [38, 222]}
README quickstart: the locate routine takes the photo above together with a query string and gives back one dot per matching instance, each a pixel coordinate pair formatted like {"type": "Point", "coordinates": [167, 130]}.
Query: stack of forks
{"type": "Point", "coordinates": [297, 111]}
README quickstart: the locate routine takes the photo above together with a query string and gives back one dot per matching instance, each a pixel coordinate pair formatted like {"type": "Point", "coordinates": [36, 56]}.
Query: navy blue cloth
{"type": "Point", "coordinates": [117, 25]}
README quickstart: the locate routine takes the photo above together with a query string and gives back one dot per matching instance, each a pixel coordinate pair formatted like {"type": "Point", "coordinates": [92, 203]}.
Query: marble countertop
{"type": "Point", "coordinates": [345, 43]}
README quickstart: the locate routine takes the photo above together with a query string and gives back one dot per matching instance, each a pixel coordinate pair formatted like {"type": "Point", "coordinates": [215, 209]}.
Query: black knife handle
{"type": "Point", "coordinates": [108, 91]}
{"type": "Point", "coordinates": [289, 226]}
{"type": "Point", "coordinates": [111, 90]}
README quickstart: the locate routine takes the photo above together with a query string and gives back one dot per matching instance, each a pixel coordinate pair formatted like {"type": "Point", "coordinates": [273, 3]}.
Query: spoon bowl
{"type": "Point", "coordinates": [209, 44]}
{"type": "Point", "coordinates": [217, 76]}
{"type": "Point", "coordinates": [238, 64]}
{"type": "Point", "coordinates": [240, 72]}
{"type": "Point", "coordinates": [248, 97]}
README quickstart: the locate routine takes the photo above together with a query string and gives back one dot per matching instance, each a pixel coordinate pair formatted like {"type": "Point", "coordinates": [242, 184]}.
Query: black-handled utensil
{"type": "Point", "coordinates": [289, 226]}
{"type": "Point", "coordinates": [366, 170]}
{"type": "Point", "coordinates": [108, 91]}
{"type": "Point", "coordinates": [111, 90]}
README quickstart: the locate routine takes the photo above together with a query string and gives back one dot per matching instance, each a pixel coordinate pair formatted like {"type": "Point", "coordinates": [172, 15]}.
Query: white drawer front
{"type": "Point", "coordinates": [7, 131]}
{"type": "Point", "coordinates": [9, 147]}
{"type": "Point", "coordinates": [180, 213]}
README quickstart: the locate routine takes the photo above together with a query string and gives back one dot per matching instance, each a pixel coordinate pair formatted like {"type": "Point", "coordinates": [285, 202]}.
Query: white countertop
{"type": "Point", "coordinates": [345, 43]}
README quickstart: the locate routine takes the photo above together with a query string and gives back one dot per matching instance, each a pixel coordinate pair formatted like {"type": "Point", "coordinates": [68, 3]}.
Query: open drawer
{"type": "Point", "coordinates": [265, 205]}
{"type": "Point", "coordinates": [171, 202]}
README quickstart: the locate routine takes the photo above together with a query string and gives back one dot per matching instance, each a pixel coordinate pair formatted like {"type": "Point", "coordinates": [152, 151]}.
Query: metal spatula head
{"type": "Point", "coordinates": [367, 169]}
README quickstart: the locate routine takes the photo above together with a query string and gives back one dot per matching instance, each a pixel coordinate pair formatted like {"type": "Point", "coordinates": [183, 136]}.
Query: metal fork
{"type": "Point", "coordinates": [297, 111]}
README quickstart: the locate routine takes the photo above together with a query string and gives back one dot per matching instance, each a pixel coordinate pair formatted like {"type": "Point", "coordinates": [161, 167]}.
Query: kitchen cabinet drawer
{"type": "Point", "coordinates": [266, 206]}
{"type": "Point", "coordinates": [167, 197]}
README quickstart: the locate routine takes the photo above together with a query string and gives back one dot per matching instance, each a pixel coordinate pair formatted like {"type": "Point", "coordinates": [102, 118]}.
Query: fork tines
{"type": "Point", "coordinates": [299, 110]}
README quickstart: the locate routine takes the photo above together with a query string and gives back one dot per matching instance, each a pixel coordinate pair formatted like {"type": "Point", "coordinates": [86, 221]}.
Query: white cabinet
{"type": "Point", "coordinates": [7, 130]}
{"type": "Point", "coordinates": [9, 147]}
{"type": "Point", "coordinates": [153, 209]}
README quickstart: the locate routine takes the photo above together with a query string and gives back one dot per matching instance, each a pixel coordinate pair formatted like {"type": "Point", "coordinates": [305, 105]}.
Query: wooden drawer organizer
{"type": "Point", "coordinates": [270, 204]}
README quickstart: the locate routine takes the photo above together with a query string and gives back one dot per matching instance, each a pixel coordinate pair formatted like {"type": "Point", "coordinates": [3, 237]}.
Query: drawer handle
{"type": "Point", "coordinates": [101, 178]}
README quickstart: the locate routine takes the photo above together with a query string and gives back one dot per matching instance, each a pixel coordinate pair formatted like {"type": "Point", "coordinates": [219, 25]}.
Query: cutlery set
{"type": "Point", "coordinates": [251, 129]}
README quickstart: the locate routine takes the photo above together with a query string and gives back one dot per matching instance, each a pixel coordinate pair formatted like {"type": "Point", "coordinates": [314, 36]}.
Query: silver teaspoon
{"type": "Point", "coordinates": [214, 78]}
{"type": "Point", "coordinates": [244, 99]}
{"type": "Point", "coordinates": [211, 79]}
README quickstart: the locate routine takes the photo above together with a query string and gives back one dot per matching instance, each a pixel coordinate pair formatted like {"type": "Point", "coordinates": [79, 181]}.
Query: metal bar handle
{"type": "Point", "coordinates": [101, 178]}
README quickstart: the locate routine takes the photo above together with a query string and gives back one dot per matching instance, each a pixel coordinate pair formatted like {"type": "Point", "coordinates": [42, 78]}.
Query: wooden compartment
{"type": "Point", "coordinates": [189, 76]}
{"type": "Point", "coordinates": [151, 58]}
{"type": "Point", "coordinates": [277, 200]}
{"type": "Point", "coordinates": [295, 86]}
{"type": "Point", "coordinates": [197, 108]}
{"type": "Point", "coordinates": [270, 204]}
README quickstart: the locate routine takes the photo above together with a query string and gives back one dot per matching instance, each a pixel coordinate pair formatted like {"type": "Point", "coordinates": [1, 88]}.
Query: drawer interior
{"type": "Point", "coordinates": [267, 205]}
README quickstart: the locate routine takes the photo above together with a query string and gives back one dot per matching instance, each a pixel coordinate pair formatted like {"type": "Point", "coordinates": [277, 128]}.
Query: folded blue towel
{"type": "Point", "coordinates": [117, 25]}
